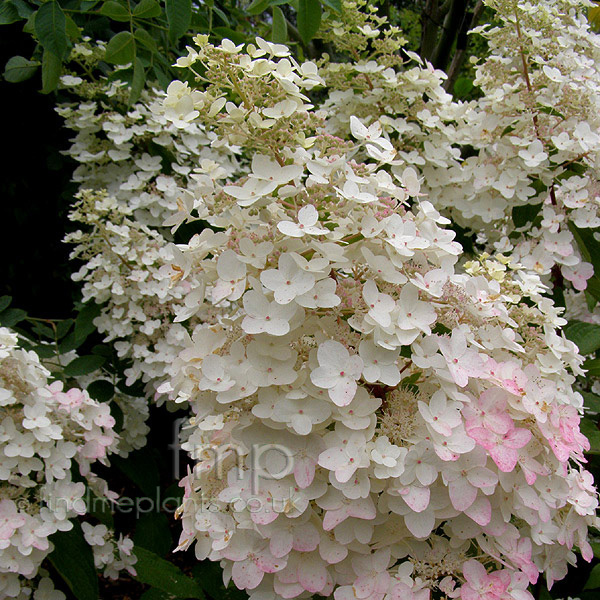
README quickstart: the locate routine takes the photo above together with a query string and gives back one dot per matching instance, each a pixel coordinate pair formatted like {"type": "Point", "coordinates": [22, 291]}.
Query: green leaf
{"type": "Point", "coordinates": [5, 302]}
{"type": "Point", "coordinates": [141, 468]}
{"type": "Point", "coordinates": [11, 316]}
{"type": "Point", "coordinates": [593, 581]}
{"type": "Point", "coordinates": [521, 215]}
{"type": "Point", "coordinates": [51, 28]}
{"type": "Point", "coordinates": [144, 38]}
{"type": "Point", "coordinates": [152, 532]}
{"type": "Point", "coordinates": [589, 428]}
{"type": "Point", "coordinates": [593, 287]}
{"type": "Point", "coordinates": [23, 8]}
{"type": "Point", "coordinates": [462, 87]}
{"type": "Point", "coordinates": [101, 390]}
{"type": "Point", "coordinates": [335, 5]}
{"type": "Point", "coordinates": [115, 11]}
{"type": "Point", "coordinates": [588, 245]}
{"type": "Point", "coordinates": [18, 68]}
{"type": "Point", "coordinates": [592, 366]}
{"type": "Point", "coordinates": [84, 323]}
{"type": "Point", "coordinates": [120, 49]}
{"type": "Point", "coordinates": [8, 13]}
{"type": "Point", "coordinates": [161, 574]}
{"type": "Point", "coordinates": [73, 559]}
{"type": "Point", "coordinates": [309, 19]}
{"type": "Point", "coordinates": [210, 577]}
{"type": "Point", "coordinates": [591, 401]}
{"type": "Point", "coordinates": [585, 335]}
{"type": "Point", "coordinates": [117, 414]}
{"type": "Point", "coordinates": [147, 9]}
{"type": "Point", "coordinates": [51, 69]}
{"type": "Point", "coordinates": [137, 81]}
{"type": "Point", "coordinates": [235, 36]}
{"type": "Point", "coordinates": [257, 7]}
{"type": "Point", "coordinates": [73, 30]}
{"type": "Point", "coordinates": [179, 17]}
{"type": "Point", "coordinates": [100, 508]}
{"type": "Point", "coordinates": [279, 32]}
{"type": "Point", "coordinates": [84, 365]}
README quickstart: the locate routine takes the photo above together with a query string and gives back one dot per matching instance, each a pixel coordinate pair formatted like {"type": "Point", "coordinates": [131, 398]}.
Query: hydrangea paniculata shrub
{"type": "Point", "coordinates": [372, 418]}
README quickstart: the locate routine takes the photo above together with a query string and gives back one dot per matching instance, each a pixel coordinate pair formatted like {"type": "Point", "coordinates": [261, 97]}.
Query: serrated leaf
{"type": "Point", "coordinates": [18, 69]}
{"type": "Point", "coordinates": [462, 86]}
{"type": "Point", "coordinates": [179, 17]}
{"type": "Point", "coordinates": [279, 31]}
{"type": "Point", "coordinates": [585, 335]}
{"type": "Point", "coordinates": [101, 390]}
{"type": "Point", "coordinates": [257, 7]}
{"type": "Point", "coordinates": [335, 5]}
{"type": "Point", "coordinates": [73, 30]}
{"type": "Point", "coordinates": [153, 533]}
{"type": "Point", "coordinates": [521, 215]}
{"type": "Point", "coordinates": [593, 581]}
{"type": "Point", "coordinates": [140, 466]}
{"type": "Point", "coordinates": [147, 9]}
{"type": "Point", "coordinates": [144, 38]}
{"type": "Point", "coordinates": [591, 401]}
{"type": "Point", "coordinates": [589, 428]}
{"type": "Point", "coordinates": [137, 81]}
{"type": "Point", "coordinates": [11, 316]}
{"type": "Point", "coordinates": [115, 11]}
{"type": "Point", "coordinates": [309, 19]}
{"type": "Point", "coordinates": [164, 575]}
{"type": "Point", "coordinates": [51, 28]}
{"type": "Point", "coordinates": [73, 559]}
{"type": "Point", "coordinates": [51, 70]}
{"type": "Point", "coordinates": [120, 49]}
{"type": "Point", "coordinates": [84, 322]}
{"type": "Point", "coordinates": [83, 365]}
{"type": "Point", "coordinates": [8, 13]}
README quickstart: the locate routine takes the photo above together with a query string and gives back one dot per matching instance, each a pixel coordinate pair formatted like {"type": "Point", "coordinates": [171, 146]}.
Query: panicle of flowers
{"type": "Point", "coordinates": [45, 431]}
{"type": "Point", "coordinates": [137, 172]}
{"type": "Point", "coordinates": [110, 556]}
{"type": "Point", "coordinates": [371, 419]}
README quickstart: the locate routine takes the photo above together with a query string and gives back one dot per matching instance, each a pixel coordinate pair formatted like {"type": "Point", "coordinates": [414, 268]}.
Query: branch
{"type": "Point", "coordinates": [454, 17]}
{"type": "Point", "coordinates": [461, 45]}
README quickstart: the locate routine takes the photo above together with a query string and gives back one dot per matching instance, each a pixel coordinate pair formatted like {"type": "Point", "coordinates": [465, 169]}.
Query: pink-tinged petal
{"type": "Point", "coordinates": [343, 392]}
{"type": "Point", "coordinates": [306, 538]}
{"type": "Point", "coordinates": [480, 511]}
{"type": "Point", "coordinates": [420, 524]}
{"type": "Point", "coordinates": [331, 551]}
{"type": "Point", "coordinates": [345, 592]}
{"type": "Point", "coordinates": [468, 593]}
{"type": "Point", "coordinates": [364, 586]}
{"type": "Point", "coordinates": [246, 575]}
{"type": "Point", "coordinates": [517, 438]}
{"type": "Point", "coordinates": [312, 574]}
{"type": "Point", "coordinates": [322, 377]}
{"type": "Point", "coordinates": [482, 477]}
{"type": "Point", "coordinates": [416, 497]}
{"type": "Point", "coordinates": [304, 471]}
{"type": "Point", "coordinates": [335, 517]}
{"type": "Point", "coordinates": [475, 574]}
{"type": "Point", "coordinates": [505, 458]}
{"type": "Point", "coordinates": [462, 493]}
{"type": "Point", "coordinates": [281, 542]}
{"type": "Point", "coordinates": [264, 515]}
{"type": "Point", "coordinates": [268, 563]}
{"type": "Point", "coordinates": [363, 508]}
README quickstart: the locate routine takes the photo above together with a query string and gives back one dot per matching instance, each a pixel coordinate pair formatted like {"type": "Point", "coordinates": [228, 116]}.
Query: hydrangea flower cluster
{"type": "Point", "coordinates": [371, 420]}
{"type": "Point", "coordinates": [136, 171]}
{"type": "Point", "coordinates": [45, 431]}
{"type": "Point", "coordinates": [110, 556]}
